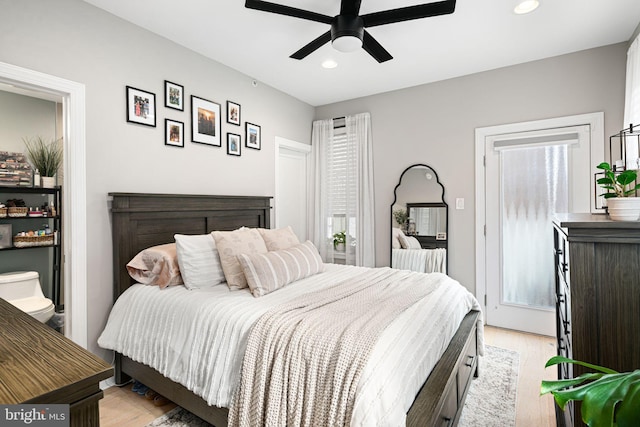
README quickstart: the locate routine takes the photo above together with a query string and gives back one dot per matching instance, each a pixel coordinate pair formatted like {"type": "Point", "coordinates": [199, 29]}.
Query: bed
{"type": "Point", "coordinates": [407, 253]}
{"type": "Point", "coordinates": [143, 220]}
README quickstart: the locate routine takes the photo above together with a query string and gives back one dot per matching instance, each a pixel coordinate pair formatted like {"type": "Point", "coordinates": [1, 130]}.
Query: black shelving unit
{"type": "Point", "coordinates": [27, 222]}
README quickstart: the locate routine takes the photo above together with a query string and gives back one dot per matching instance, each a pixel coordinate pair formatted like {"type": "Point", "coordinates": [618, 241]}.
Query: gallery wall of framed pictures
{"type": "Point", "coordinates": [206, 119]}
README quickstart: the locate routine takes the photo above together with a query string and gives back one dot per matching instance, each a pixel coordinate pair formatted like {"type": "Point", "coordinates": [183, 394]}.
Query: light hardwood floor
{"type": "Point", "coordinates": [122, 408]}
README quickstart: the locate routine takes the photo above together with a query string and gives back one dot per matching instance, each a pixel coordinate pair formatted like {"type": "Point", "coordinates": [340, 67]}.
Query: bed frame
{"type": "Point", "coordinates": [140, 220]}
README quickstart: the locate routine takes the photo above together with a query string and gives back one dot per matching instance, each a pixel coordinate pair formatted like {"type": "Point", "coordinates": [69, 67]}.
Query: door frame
{"type": "Point", "coordinates": [74, 255]}
{"type": "Point", "coordinates": [304, 149]}
{"type": "Point", "coordinates": [596, 123]}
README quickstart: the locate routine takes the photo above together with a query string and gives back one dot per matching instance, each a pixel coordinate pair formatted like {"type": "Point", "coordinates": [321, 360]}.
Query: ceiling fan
{"type": "Point", "coordinates": [348, 28]}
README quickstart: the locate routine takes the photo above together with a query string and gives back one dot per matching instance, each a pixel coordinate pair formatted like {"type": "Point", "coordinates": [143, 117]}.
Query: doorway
{"type": "Point", "coordinates": [528, 175]}
{"type": "Point", "coordinates": [292, 171]}
{"type": "Point", "coordinates": [74, 188]}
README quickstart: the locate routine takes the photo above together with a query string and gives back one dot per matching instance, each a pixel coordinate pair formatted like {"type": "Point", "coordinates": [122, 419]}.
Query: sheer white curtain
{"type": "Point", "coordinates": [632, 92]}
{"type": "Point", "coordinates": [342, 181]}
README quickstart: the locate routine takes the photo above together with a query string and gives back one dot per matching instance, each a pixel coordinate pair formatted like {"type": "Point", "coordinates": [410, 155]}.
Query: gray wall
{"type": "Point", "coordinates": [435, 124]}
{"type": "Point", "coordinates": [74, 40]}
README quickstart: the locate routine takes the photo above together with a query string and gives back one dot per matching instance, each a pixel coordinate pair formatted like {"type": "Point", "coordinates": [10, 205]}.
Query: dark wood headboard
{"type": "Point", "coordinates": [141, 220]}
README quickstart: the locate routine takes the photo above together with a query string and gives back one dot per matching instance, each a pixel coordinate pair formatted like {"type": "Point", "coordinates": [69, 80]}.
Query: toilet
{"type": "Point", "coordinates": [22, 289]}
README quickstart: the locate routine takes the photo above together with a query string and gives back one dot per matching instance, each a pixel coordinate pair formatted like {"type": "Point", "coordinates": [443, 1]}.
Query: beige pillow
{"type": "Point", "coordinates": [279, 238]}
{"type": "Point", "coordinates": [232, 243]}
{"type": "Point", "coordinates": [273, 270]}
{"type": "Point", "coordinates": [157, 265]}
{"type": "Point", "coordinates": [396, 233]}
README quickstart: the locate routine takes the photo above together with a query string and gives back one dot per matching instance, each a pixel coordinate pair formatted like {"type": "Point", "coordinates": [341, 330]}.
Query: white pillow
{"type": "Point", "coordinates": [198, 260]}
{"type": "Point", "coordinates": [409, 242]}
{"type": "Point", "coordinates": [395, 238]}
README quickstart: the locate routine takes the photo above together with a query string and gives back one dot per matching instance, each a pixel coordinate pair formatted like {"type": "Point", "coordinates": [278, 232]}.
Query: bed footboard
{"type": "Point", "coordinates": [442, 396]}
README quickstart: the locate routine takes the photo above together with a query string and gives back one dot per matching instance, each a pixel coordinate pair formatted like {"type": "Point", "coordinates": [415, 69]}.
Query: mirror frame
{"type": "Point", "coordinates": [440, 243]}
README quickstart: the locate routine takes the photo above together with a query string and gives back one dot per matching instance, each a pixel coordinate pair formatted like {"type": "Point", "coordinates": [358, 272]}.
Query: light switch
{"type": "Point", "coordinates": [459, 203]}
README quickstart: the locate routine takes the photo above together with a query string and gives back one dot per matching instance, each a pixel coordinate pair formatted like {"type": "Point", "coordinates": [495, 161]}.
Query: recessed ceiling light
{"type": "Point", "coordinates": [329, 63]}
{"type": "Point", "coordinates": [526, 6]}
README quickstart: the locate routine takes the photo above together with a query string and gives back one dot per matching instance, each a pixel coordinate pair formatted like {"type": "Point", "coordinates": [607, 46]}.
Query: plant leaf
{"type": "Point", "coordinates": [626, 177]}
{"type": "Point", "coordinates": [604, 166]}
{"type": "Point", "coordinates": [549, 386]}
{"type": "Point", "coordinates": [605, 180]}
{"type": "Point", "coordinates": [555, 360]}
{"type": "Point", "coordinates": [628, 414]}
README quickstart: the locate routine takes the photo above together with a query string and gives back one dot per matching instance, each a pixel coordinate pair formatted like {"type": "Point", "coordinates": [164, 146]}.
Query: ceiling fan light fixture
{"type": "Point", "coordinates": [347, 43]}
{"type": "Point", "coordinates": [347, 33]}
{"type": "Point", "coordinates": [526, 6]}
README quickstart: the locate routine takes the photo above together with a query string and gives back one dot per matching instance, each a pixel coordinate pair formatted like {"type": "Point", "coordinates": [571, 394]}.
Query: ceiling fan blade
{"type": "Point", "coordinates": [374, 48]}
{"type": "Point", "coordinates": [408, 13]}
{"type": "Point", "coordinates": [317, 43]}
{"type": "Point", "coordinates": [280, 9]}
{"type": "Point", "coordinates": [350, 7]}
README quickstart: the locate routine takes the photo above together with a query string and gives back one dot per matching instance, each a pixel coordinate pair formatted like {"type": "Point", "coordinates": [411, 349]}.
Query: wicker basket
{"type": "Point", "coordinates": [28, 241]}
{"type": "Point", "coordinates": [3, 212]}
{"type": "Point", "coordinates": [17, 212]}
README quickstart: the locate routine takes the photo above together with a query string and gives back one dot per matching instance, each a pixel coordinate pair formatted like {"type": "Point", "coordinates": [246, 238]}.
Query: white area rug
{"type": "Point", "coordinates": [491, 401]}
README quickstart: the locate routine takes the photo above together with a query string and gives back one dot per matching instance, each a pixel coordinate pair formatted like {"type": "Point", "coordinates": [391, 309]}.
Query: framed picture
{"type": "Point", "coordinates": [6, 236]}
{"type": "Point", "coordinates": [252, 136]}
{"type": "Point", "coordinates": [233, 144]}
{"type": "Point", "coordinates": [173, 133]}
{"type": "Point", "coordinates": [173, 95]}
{"type": "Point", "coordinates": [205, 121]}
{"type": "Point", "coordinates": [233, 113]}
{"type": "Point", "coordinates": [141, 107]}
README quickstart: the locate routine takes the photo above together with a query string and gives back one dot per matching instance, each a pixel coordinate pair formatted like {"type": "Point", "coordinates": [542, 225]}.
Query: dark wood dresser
{"type": "Point", "coordinates": [597, 296]}
{"type": "Point", "coordinates": [39, 365]}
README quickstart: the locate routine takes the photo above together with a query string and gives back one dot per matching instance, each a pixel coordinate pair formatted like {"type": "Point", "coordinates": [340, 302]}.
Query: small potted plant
{"type": "Point", "coordinates": [339, 241]}
{"type": "Point", "coordinates": [609, 398]}
{"type": "Point", "coordinates": [401, 218]}
{"type": "Point", "coordinates": [622, 203]}
{"type": "Point", "coordinates": [46, 158]}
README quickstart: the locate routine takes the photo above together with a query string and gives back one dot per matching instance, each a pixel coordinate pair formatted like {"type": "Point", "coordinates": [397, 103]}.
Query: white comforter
{"type": "Point", "coordinates": [198, 338]}
{"type": "Point", "coordinates": [420, 260]}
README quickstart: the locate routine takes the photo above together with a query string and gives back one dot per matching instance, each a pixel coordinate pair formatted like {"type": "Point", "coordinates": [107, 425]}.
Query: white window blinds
{"type": "Point", "coordinates": [632, 89]}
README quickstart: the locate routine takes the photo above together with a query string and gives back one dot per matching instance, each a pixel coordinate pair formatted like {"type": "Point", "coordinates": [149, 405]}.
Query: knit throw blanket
{"type": "Point", "coordinates": [304, 359]}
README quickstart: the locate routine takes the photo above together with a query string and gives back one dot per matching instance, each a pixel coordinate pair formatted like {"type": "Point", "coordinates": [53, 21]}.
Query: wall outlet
{"type": "Point", "coordinates": [459, 203]}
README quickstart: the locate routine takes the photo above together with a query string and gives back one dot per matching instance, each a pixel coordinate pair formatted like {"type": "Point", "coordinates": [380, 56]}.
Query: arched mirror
{"type": "Point", "coordinates": [419, 221]}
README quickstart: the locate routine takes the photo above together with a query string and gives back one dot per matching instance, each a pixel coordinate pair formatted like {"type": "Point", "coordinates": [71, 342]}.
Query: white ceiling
{"type": "Point", "coordinates": [478, 36]}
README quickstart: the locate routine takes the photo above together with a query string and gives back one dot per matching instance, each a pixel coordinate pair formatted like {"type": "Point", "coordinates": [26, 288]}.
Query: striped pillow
{"type": "Point", "coordinates": [269, 271]}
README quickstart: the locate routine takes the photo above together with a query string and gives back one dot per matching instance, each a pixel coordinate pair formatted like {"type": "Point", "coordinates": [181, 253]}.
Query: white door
{"type": "Point", "coordinates": [529, 176]}
{"type": "Point", "coordinates": [291, 186]}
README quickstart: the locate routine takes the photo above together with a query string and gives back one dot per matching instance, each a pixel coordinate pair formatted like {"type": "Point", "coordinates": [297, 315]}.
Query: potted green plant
{"type": "Point", "coordinates": [46, 157]}
{"type": "Point", "coordinates": [339, 241]}
{"type": "Point", "coordinates": [401, 216]}
{"type": "Point", "coordinates": [621, 188]}
{"type": "Point", "coordinates": [609, 398]}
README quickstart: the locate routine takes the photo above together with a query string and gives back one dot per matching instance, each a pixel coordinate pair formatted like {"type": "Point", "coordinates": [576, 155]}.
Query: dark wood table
{"type": "Point", "coordinates": [41, 366]}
